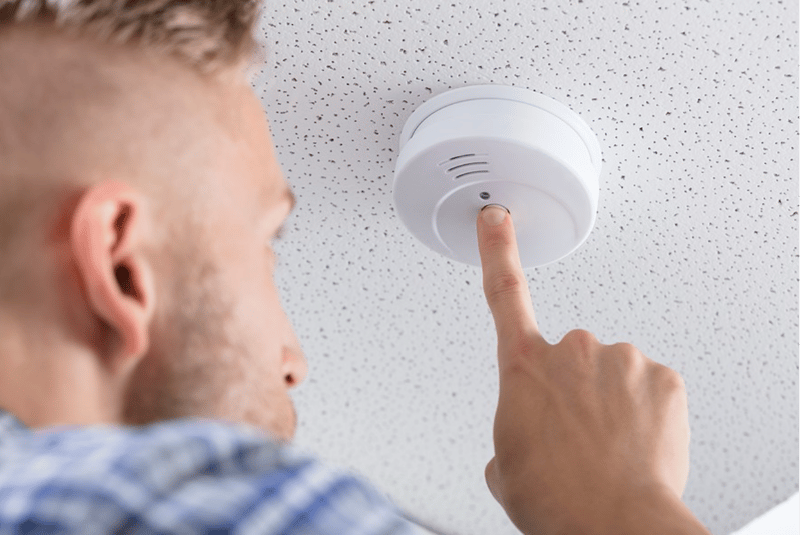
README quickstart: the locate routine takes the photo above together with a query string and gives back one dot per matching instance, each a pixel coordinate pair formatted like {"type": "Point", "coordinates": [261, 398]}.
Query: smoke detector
{"type": "Point", "coordinates": [494, 144]}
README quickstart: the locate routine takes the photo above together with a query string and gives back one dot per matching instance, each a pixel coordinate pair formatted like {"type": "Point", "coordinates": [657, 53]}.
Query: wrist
{"type": "Point", "coordinates": [656, 511]}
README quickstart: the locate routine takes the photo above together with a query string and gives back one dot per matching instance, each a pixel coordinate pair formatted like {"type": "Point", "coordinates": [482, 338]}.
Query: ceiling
{"type": "Point", "coordinates": [693, 257]}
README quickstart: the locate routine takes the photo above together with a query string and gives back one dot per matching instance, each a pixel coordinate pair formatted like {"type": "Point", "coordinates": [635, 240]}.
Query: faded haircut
{"type": "Point", "coordinates": [208, 35]}
{"type": "Point", "coordinates": [212, 37]}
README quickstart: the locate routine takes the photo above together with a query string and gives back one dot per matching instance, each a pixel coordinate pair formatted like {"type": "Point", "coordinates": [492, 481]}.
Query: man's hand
{"type": "Point", "coordinates": [582, 430]}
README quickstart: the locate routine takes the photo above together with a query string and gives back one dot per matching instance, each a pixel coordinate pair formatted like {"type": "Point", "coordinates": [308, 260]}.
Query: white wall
{"type": "Point", "coordinates": [782, 520]}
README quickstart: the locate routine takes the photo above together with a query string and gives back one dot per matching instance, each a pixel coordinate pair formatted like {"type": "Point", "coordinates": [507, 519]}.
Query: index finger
{"type": "Point", "coordinates": [504, 282]}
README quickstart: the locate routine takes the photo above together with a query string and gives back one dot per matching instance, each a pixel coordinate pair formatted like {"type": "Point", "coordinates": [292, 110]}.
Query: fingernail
{"type": "Point", "coordinates": [494, 214]}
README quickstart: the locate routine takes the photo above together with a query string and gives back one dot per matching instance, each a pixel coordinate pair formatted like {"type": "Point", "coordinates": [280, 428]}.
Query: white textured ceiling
{"type": "Point", "coordinates": [693, 259]}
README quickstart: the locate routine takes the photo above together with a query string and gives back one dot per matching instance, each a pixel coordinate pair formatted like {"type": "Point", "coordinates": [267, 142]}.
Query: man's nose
{"type": "Point", "coordinates": [295, 367]}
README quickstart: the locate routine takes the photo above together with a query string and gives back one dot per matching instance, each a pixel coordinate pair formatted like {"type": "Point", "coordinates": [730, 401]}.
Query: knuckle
{"type": "Point", "coordinates": [627, 349]}
{"type": "Point", "coordinates": [629, 354]}
{"type": "Point", "coordinates": [502, 284]}
{"type": "Point", "coordinates": [669, 379]}
{"type": "Point", "coordinates": [522, 347]}
{"type": "Point", "coordinates": [582, 339]}
{"type": "Point", "coordinates": [675, 381]}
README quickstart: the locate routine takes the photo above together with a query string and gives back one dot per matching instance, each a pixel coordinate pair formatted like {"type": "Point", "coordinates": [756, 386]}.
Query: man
{"type": "Point", "coordinates": [145, 359]}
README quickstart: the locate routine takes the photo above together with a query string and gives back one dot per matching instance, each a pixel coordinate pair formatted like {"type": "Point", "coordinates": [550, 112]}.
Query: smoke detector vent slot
{"type": "Point", "coordinates": [447, 161]}
{"type": "Point", "coordinates": [465, 165]}
{"type": "Point", "coordinates": [470, 173]}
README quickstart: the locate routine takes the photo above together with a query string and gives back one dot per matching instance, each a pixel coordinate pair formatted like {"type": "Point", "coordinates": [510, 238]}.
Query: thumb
{"type": "Point", "coordinates": [504, 282]}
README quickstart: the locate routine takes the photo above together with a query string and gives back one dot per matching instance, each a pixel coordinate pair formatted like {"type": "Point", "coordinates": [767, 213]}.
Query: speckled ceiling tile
{"type": "Point", "coordinates": [693, 259]}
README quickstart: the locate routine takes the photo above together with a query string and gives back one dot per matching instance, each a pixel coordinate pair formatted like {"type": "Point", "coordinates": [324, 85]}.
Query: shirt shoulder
{"type": "Point", "coordinates": [182, 476]}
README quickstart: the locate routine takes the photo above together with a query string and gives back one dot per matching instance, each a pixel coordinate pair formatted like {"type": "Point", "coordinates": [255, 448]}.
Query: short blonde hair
{"type": "Point", "coordinates": [211, 36]}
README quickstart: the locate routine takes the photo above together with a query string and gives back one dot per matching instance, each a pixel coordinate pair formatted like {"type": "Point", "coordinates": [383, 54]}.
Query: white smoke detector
{"type": "Point", "coordinates": [492, 144]}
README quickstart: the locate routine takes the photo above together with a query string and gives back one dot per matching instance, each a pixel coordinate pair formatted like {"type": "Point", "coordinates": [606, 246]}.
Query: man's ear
{"type": "Point", "coordinates": [107, 234]}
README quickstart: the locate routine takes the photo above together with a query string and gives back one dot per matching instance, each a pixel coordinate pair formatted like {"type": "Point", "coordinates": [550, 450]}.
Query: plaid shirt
{"type": "Point", "coordinates": [183, 476]}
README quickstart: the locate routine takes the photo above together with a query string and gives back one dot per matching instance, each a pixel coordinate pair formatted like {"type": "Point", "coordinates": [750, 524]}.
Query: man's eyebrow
{"type": "Point", "coordinates": [288, 195]}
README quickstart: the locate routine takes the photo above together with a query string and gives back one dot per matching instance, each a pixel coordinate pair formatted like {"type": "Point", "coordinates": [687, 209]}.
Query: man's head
{"type": "Point", "coordinates": [139, 194]}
